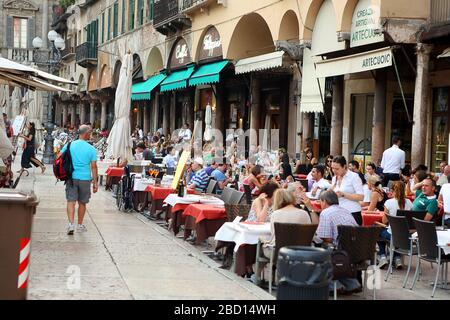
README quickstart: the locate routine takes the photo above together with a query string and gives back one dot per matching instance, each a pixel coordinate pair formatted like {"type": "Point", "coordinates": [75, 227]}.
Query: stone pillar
{"type": "Point", "coordinates": [292, 114]}
{"type": "Point", "coordinates": [104, 114]}
{"type": "Point", "coordinates": [255, 111]}
{"type": "Point", "coordinates": [83, 113]}
{"type": "Point", "coordinates": [155, 114]}
{"type": "Point", "coordinates": [166, 110]}
{"type": "Point", "coordinates": [92, 113]}
{"type": "Point", "coordinates": [337, 116]}
{"type": "Point", "coordinates": [73, 114]}
{"type": "Point", "coordinates": [139, 115]}
{"type": "Point", "coordinates": [65, 113]}
{"type": "Point", "coordinates": [419, 132]}
{"type": "Point", "coordinates": [146, 119]}
{"type": "Point", "coordinates": [308, 126]}
{"type": "Point", "coordinates": [379, 116]}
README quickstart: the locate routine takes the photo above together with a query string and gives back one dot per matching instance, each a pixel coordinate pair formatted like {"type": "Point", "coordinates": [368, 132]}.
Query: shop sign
{"type": "Point", "coordinates": [366, 19]}
{"type": "Point", "coordinates": [211, 45]}
{"type": "Point", "coordinates": [180, 54]}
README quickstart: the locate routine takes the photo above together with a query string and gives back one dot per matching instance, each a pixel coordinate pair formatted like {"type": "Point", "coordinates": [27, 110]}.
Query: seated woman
{"type": "Point", "coordinates": [398, 202]}
{"type": "Point", "coordinates": [378, 196]}
{"type": "Point", "coordinates": [255, 179]}
{"type": "Point", "coordinates": [261, 209]}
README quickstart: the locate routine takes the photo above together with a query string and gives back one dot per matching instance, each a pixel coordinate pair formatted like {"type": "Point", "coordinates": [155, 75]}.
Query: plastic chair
{"type": "Point", "coordinates": [236, 197]}
{"type": "Point", "coordinates": [226, 194]}
{"type": "Point", "coordinates": [286, 234]}
{"type": "Point", "coordinates": [429, 250]}
{"type": "Point", "coordinates": [401, 242]}
{"type": "Point", "coordinates": [248, 194]}
{"type": "Point", "coordinates": [211, 186]}
{"type": "Point", "coordinates": [360, 245]}
{"type": "Point", "coordinates": [410, 215]}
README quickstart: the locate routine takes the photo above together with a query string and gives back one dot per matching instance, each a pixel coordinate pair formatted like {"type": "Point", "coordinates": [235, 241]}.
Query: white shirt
{"type": "Point", "coordinates": [185, 134]}
{"type": "Point", "coordinates": [393, 160]}
{"type": "Point", "coordinates": [351, 183]}
{"type": "Point", "coordinates": [392, 206]}
{"type": "Point", "coordinates": [322, 185]}
{"type": "Point", "coordinates": [445, 192]}
{"type": "Point", "coordinates": [367, 193]}
{"type": "Point", "coordinates": [141, 134]}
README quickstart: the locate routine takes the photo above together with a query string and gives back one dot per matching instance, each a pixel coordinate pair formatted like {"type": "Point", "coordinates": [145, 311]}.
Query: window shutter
{"type": "Point", "coordinates": [116, 20]}
{"type": "Point", "coordinates": [31, 32]}
{"type": "Point", "coordinates": [9, 31]}
{"type": "Point", "coordinates": [124, 8]}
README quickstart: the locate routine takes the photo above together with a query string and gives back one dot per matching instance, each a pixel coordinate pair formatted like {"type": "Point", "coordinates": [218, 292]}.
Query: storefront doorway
{"type": "Point", "coordinates": [440, 133]}
{"type": "Point", "coordinates": [361, 135]}
{"type": "Point", "coordinates": [401, 125]}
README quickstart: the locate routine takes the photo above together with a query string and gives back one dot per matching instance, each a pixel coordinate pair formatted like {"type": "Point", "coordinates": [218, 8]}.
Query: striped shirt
{"type": "Point", "coordinates": [200, 180]}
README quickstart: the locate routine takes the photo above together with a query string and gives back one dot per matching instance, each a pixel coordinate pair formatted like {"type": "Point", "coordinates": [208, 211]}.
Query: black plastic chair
{"type": "Point", "coordinates": [429, 250]}
{"type": "Point", "coordinates": [360, 245]}
{"type": "Point", "coordinates": [211, 188]}
{"type": "Point", "coordinates": [410, 215]}
{"type": "Point", "coordinates": [401, 242]}
{"type": "Point", "coordinates": [236, 197]}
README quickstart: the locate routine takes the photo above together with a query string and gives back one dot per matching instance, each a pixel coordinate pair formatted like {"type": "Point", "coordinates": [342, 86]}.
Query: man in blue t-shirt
{"type": "Point", "coordinates": [84, 161]}
{"type": "Point", "coordinates": [220, 177]}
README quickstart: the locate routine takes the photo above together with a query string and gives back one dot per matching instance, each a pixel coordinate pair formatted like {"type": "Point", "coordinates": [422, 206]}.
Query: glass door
{"type": "Point", "coordinates": [439, 151]}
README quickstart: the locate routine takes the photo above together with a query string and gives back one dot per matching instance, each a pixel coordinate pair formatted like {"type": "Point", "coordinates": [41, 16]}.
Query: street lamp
{"type": "Point", "coordinates": [51, 59]}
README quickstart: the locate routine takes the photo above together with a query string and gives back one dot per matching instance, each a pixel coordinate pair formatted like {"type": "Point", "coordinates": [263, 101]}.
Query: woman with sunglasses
{"type": "Point", "coordinates": [328, 170]}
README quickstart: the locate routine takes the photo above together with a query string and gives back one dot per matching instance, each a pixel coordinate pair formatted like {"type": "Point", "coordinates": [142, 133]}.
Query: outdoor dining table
{"type": "Point", "coordinates": [157, 196]}
{"type": "Point", "coordinates": [245, 237]}
{"type": "Point", "coordinates": [205, 219]}
{"type": "Point", "coordinates": [114, 172]}
{"type": "Point", "coordinates": [370, 217]}
{"type": "Point", "coordinates": [316, 205]}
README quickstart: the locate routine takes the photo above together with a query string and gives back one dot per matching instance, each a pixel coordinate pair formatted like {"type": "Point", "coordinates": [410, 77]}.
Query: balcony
{"type": "Point", "coordinates": [69, 52]}
{"type": "Point", "coordinates": [194, 5]}
{"type": "Point", "coordinates": [439, 11]}
{"type": "Point", "coordinates": [24, 56]}
{"type": "Point", "coordinates": [86, 55]}
{"type": "Point", "coordinates": [167, 17]}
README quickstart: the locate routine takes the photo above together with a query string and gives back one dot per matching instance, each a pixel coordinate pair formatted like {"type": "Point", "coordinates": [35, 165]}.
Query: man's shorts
{"type": "Point", "coordinates": [78, 190]}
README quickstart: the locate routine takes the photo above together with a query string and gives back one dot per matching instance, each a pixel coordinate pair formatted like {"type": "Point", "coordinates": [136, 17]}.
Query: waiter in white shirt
{"type": "Point", "coordinates": [393, 162]}
{"type": "Point", "coordinates": [185, 134]}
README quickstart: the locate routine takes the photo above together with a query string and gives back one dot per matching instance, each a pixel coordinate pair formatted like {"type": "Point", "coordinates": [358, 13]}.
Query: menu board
{"type": "Point", "coordinates": [180, 168]}
{"type": "Point", "coordinates": [18, 124]}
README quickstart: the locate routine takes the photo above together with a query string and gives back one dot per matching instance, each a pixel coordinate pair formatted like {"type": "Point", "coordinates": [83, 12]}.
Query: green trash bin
{"type": "Point", "coordinates": [16, 216]}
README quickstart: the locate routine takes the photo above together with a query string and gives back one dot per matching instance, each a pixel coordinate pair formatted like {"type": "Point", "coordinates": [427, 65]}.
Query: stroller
{"type": "Point", "coordinates": [124, 192]}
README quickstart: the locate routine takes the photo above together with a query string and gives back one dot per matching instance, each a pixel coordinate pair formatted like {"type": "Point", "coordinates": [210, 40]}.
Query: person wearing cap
{"type": "Point", "coordinates": [200, 180]}
{"type": "Point", "coordinates": [85, 173]}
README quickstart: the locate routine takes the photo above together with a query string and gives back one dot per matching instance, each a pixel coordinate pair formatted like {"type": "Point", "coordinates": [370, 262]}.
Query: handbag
{"type": "Point", "coordinates": [342, 267]}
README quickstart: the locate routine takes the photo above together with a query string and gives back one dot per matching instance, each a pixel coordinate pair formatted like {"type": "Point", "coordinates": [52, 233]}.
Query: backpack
{"type": "Point", "coordinates": [63, 167]}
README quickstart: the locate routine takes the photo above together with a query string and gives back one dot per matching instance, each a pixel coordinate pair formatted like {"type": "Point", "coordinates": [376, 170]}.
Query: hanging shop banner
{"type": "Point", "coordinates": [366, 61]}
{"type": "Point", "coordinates": [211, 45]}
{"type": "Point", "coordinates": [365, 22]}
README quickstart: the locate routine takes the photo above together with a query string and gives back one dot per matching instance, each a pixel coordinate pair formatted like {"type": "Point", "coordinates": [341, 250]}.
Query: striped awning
{"type": "Point", "coordinates": [258, 63]}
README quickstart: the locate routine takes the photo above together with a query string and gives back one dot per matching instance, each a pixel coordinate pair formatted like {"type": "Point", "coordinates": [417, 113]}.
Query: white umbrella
{"type": "Point", "coordinates": [119, 141]}
{"type": "Point", "coordinates": [6, 148]}
{"type": "Point", "coordinates": [15, 103]}
{"type": "Point", "coordinates": [208, 123]}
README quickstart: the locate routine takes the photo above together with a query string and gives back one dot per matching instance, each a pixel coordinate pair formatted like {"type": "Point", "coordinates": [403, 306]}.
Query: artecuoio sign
{"type": "Point", "coordinates": [364, 23]}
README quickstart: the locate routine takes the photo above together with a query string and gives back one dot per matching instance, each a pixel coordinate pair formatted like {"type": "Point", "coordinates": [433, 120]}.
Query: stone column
{"type": "Point", "coordinates": [73, 114]}
{"type": "Point", "coordinates": [83, 113]}
{"type": "Point", "coordinates": [146, 119]}
{"type": "Point", "coordinates": [155, 114]}
{"type": "Point", "coordinates": [337, 116]}
{"type": "Point", "coordinates": [65, 113]}
{"type": "Point", "coordinates": [379, 116]}
{"type": "Point", "coordinates": [104, 114]}
{"type": "Point", "coordinates": [419, 132]}
{"type": "Point", "coordinates": [92, 113]}
{"type": "Point", "coordinates": [166, 110]}
{"type": "Point", "coordinates": [255, 111]}
{"type": "Point", "coordinates": [308, 126]}
{"type": "Point", "coordinates": [139, 115]}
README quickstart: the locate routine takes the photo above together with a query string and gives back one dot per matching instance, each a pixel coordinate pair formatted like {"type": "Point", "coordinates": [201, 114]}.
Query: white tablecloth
{"type": "Point", "coordinates": [173, 199]}
{"type": "Point", "coordinates": [242, 233]}
{"type": "Point", "coordinates": [141, 184]}
{"type": "Point", "coordinates": [104, 165]}
{"type": "Point", "coordinates": [443, 240]}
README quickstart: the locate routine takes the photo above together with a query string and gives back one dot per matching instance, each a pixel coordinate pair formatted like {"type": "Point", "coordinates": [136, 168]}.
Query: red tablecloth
{"type": "Point", "coordinates": [180, 207]}
{"type": "Point", "coordinates": [114, 172]}
{"type": "Point", "coordinates": [204, 211]}
{"type": "Point", "coordinates": [301, 176]}
{"type": "Point", "coordinates": [159, 193]}
{"type": "Point", "coordinates": [316, 205]}
{"type": "Point", "coordinates": [370, 217]}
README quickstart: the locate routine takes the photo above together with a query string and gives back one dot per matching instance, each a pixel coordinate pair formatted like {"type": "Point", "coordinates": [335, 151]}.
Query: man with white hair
{"type": "Point", "coordinates": [78, 189]}
{"type": "Point", "coordinates": [200, 180]}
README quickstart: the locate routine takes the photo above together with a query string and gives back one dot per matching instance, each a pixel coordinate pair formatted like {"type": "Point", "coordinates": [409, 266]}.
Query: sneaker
{"type": "Point", "coordinates": [81, 228]}
{"type": "Point", "coordinates": [382, 262]}
{"type": "Point", "coordinates": [398, 263]}
{"type": "Point", "coordinates": [70, 229]}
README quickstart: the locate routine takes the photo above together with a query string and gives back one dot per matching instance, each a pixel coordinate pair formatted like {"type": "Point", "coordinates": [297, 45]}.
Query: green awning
{"type": "Point", "coordinates": [143, 90]}
{"type": "Point", "coordinates": [177, 80]}
{"type": "Point", "coordinates": [208, 73]}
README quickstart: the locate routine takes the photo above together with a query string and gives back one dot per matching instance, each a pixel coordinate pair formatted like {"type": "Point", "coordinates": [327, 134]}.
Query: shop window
{"type": "Point", "coordinates": [440, 132]}
{"type": "Point", "coordinates": [362, 118]}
